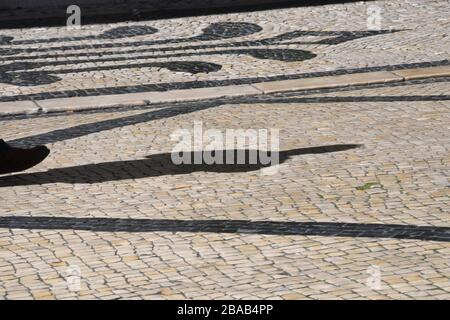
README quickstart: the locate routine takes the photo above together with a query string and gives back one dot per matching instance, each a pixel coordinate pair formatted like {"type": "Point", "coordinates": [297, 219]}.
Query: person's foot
{"type": "Point", "coordinates": [16, 159]}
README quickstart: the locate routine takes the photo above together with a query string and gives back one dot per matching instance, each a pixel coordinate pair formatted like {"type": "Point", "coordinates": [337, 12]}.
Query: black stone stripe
{"type": "Point", "coordinates": [288, 228]}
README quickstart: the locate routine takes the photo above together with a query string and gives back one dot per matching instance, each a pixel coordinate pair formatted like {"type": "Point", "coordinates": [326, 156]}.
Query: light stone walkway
{"type": "Point", "coordinates": [108, 215]}
{"type": "Point", "coordinates": [136, 228]}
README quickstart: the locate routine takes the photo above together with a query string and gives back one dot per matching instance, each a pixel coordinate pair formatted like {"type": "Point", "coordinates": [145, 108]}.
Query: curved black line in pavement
{"type": "Point", "coordinates": [215, 31]}
{"type": "Point", "coordinates": [114, 33]}
{"type": "Point", "coordinates": [34, 78]}
{"type": "Point", "coordinates": [341, 36]}
{"type": "Point", "coordinates": [287, 55]}
{"type": "Point", "coordinates": [161, 87]}
{"type": "Point", "coordinates": [219, 49]}
{"type": "Point", "coordinates": [335, 37]}
{"type": "Point", "coordinates": [287, 228]}
{"type": "Point", "coordinates": [274, 54]}
{"type": "Point", "coordinates": [5, 40]}
{"type": "Point", "coordinates": [171, 65]}
{"type": "Point", "coordinates": [161, 164]}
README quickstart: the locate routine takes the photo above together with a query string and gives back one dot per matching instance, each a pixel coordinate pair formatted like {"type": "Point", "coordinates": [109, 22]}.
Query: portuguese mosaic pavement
{"type": "Point", "coordinates": [359, 207]}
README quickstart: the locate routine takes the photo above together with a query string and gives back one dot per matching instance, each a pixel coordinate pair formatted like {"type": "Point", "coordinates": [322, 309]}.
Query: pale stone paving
{"type": "Point", "coordinates": [173, 253]}
{"type": "Point", "coordinates": [109, 203]}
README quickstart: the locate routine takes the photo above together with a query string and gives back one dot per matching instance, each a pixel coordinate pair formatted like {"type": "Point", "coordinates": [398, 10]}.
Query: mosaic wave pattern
{"type": "Point", "coordinates": [30, 66]}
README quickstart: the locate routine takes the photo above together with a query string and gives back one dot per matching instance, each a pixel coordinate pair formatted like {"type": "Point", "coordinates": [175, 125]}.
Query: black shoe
{"type": "Point", "coordinates": [16, 159]}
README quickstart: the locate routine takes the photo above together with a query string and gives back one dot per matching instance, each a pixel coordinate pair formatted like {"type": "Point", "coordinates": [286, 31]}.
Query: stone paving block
{"type": "Point", "coordinates": [328, 82]}
{"type": "Point", "coordinates": [419, 73]}
{"type": "Point", "coordinates": [18, 107]}
{"type": "Point", "coordinates": [131, 99]}
{"type": "Point", "coordinates": [201, 93]}
{"type": "Point", "coordinates": [86, 103]}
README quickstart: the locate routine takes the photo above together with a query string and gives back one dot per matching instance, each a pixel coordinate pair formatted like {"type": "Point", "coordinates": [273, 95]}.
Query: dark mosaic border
{"type": "Point", "coordinates": [211, 83]}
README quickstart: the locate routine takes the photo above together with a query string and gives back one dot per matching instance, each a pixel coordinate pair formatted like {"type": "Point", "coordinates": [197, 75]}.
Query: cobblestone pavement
{"type": "Point", "coordinates": [127, 57]}
{"type": "Point", "coordinates": [358, 208]}
{"type": "Point", "coordinates": [112, 207]}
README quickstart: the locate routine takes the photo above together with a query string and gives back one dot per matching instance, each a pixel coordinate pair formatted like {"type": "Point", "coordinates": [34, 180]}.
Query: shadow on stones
{"type": "Point", "coordinates": [158, 165]}
{"type": "Point", "coordinates": [136, 10]}
{"type": "Point", "coordinates": [284, 228]}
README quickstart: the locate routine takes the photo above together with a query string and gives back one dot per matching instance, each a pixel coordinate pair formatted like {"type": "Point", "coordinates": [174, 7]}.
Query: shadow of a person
{"type": "Point", "coordinates": [162, 164]}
